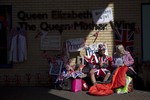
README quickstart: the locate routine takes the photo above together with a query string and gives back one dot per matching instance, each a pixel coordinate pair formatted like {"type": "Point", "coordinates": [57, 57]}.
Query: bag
{"type": "Point", "coordinates": [76, 85]}
{"type": "Point", "coordinates": [67, 84]}
{"type": "Point", "coordinates": [128, 86]}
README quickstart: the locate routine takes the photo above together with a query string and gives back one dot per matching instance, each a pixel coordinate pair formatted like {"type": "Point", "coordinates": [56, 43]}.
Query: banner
{"type": "Point", "coordinates": [74, 45]}
{"type": "Point", "coordinates": [101, 16]}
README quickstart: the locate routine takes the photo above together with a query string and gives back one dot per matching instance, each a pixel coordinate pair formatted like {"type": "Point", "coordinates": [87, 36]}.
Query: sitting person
{"type": "Point", "coordinates": [123, 58]}
{"type": "Point", "coordinates": [100, 69]}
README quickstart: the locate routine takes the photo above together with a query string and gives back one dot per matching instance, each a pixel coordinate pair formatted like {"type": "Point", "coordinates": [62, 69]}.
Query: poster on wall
{"type": "Point", "coordinates": [101, 16]}
{"type": "Point", "coordinates": [76, 44]}
{"type": "Point", "coordinates": [50, 42]}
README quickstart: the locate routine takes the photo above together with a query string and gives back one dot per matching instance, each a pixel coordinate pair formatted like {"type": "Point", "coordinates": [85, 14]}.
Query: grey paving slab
{"type": "Point", "coordinates": [45, 93]}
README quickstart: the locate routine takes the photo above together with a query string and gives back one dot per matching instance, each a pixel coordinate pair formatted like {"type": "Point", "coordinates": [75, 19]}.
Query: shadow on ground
{"type": "Point", "coordinates": [27, 93]}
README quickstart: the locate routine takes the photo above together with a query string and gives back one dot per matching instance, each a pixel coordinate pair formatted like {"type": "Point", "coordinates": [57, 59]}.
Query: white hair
{"type": "Point", "coordinates": [121, 49]}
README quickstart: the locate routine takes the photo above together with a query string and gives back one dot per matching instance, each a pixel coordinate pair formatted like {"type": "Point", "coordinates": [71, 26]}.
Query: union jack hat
{"type": "Point", "coordinates": [102, 47]}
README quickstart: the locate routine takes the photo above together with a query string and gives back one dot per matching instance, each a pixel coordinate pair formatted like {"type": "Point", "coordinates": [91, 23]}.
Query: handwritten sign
{"type": "Point", "coordinates": [102, 15]}
{"type": "Point", "coordinates": [76, 44]}
{"type": "Point", "coordinates": [50, 43]}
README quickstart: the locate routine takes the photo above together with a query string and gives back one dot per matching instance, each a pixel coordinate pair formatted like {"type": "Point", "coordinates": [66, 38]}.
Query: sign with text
{"type": "Point", "coordinates": [76, 44]}
{"type": "Point", "coordinates": [50, 42]}
{"type": "Point", "coordinates": [102, 15]}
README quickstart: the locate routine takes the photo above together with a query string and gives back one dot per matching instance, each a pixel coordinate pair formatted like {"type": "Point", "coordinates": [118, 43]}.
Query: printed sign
{"type": "Point", "coordinates": [74, 45]}
{"type": "Point", "coordinates": [101, 16]}
{"type": "Point", "coordinates": [50, 43]}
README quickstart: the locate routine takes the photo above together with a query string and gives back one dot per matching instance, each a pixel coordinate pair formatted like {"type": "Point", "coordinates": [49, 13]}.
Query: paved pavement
{"type": "Point", "coordinates": [45, 93]}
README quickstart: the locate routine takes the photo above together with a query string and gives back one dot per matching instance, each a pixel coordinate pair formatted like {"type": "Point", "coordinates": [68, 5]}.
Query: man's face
{"type": "Point", "coordinates": [102, 52]}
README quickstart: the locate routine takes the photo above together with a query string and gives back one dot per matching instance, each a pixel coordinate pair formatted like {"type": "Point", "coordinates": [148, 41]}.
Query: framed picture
{"type": "Point", "coordinates": [55, 67]}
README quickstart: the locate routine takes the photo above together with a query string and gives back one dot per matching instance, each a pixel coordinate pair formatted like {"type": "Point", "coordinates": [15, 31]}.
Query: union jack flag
{"type": "Point", "coordinates": [124, 37]}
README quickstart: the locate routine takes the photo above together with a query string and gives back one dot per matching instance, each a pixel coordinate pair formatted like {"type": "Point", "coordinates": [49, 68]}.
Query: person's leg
{"type": "Point", "coordinates": [92, 76]}
{"type": "Point", "coordinates": [106, 77]}
{"type": "Point", "coordinates": [131, 73]}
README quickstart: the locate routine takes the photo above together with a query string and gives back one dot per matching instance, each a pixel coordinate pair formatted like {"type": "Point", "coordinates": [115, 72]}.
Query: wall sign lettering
{"type": "Point", "coordinates": [26, 17]}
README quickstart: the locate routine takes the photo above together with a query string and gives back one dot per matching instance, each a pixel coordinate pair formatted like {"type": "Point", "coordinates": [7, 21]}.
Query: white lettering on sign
{"type": "Point", "coordinates": [75, 44]}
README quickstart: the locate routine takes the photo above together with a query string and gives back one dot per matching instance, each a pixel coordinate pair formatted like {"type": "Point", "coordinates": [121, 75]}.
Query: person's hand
{"type": "Point", "coordinates": [101, 64]}
{"type": "Point", "coordinates": [81, 66]}
{"type": "Point", "coordinates": [121, 65]}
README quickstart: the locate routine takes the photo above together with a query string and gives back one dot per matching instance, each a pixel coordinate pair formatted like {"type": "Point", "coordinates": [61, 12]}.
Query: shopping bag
{"type": "Point", "coordinates": [67, 83]}
{"type": "Point", "coordinates": [76, 85]}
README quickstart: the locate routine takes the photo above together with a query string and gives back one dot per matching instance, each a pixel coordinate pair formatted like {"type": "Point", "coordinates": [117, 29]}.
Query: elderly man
{"type": "Point", "coordinates": [100, 68]}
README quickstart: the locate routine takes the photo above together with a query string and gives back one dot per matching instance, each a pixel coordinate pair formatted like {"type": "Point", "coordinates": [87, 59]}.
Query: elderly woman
{"type": "Point", "coordinates": [123, 58]}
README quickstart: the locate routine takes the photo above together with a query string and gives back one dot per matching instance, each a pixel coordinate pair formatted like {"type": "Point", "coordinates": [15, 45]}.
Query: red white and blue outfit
{"type": "Point", "coordinates": [102, 71]}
